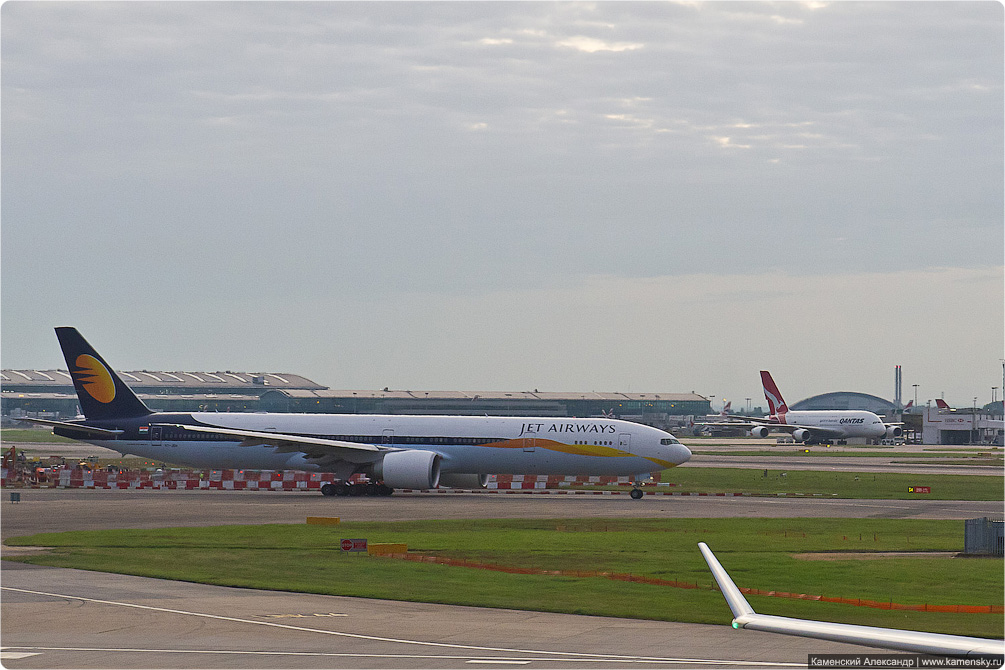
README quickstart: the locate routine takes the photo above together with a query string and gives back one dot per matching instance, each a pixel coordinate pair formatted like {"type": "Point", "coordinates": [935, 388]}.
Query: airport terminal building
{"type": "Point", "coordinates": [50, 394]}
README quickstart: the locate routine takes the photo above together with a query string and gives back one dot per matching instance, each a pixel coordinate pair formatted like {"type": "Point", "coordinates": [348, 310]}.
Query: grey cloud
{"type": "Point", "coordinates": [464, 148]}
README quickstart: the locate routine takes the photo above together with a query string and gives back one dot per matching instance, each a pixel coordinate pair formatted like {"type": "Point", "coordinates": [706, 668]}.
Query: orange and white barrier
{"type": "Point", "coordinates": [231, 480]}
{"type": "Point", "coordinates": [291, 480]}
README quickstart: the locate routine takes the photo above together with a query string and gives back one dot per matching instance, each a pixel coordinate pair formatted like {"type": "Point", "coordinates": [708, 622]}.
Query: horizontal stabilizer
{"type": "Point", "coordinates": [90, 430]}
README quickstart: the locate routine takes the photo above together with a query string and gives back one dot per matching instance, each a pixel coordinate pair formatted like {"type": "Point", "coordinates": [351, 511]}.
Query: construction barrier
{"type": "Point", "coordinates": [225, 480]}
{"type": "Point", "coordinates": [293, 480]}
{"type": "Point", "coordinates": [269, 480]}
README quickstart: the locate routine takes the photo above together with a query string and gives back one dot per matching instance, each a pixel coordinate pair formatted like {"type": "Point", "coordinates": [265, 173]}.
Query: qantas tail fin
{"type": "Point", "coordinates": [776, 404]}
{"type": "Point", "coordinates": [101, 393]}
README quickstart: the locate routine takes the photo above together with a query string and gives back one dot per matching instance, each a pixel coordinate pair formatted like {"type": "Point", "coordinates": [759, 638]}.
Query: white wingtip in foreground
{"type": "Point", "coordinates": [744, 616]}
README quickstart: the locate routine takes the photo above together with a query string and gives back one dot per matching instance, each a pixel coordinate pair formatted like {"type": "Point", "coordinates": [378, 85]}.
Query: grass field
{"type": "Point", "coordinates": [33, 435]}
{"type": "Point", "coordinates": [759, 553]}
{"type": "Point", "coordinates": [884, 486]}
{"type": "Point", "coordinates": [989, 454]}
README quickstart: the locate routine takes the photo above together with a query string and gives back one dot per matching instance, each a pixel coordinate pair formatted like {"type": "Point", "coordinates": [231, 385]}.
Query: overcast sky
{"type": "Point", "coordinates": [506, 196]}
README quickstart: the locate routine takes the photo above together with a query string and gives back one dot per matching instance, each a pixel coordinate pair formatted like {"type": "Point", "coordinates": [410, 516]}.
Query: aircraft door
{"type": "Point", "coordinates": [156, 435]}
{"type": "Point", "coordinates": [529, 444]}
{"type": "Point", "coordinates": [625, 442]}
{"type": "Point", "coordinates": [388, 437]}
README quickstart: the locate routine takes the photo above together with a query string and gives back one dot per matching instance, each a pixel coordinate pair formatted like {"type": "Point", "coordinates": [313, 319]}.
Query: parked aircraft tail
{"type": "Point", "coordinates": [101, 393]}
{"type": "Point", "coordinates": [941, 404]}
{"type": "Point", "coordinates": [776, 404]}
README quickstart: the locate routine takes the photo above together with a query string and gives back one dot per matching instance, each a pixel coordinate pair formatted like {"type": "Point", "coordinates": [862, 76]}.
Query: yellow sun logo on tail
{"type": "Point", "coordinates": [96, 379]}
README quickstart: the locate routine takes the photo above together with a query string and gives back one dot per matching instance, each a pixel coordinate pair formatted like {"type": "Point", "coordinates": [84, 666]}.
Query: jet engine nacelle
{"type": "Point", "coordinates": [410, 469]}
{"type": "Point", "coordinates": [460, 480]}
{"type": "Point", "coordinates": [894, 431]}
{"type": "Point", "coordinates": [759, 431]}
{"type": "Point", "coordinates": [800, 435]}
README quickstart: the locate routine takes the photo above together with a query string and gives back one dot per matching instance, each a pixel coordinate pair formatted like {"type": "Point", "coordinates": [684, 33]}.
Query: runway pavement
{"type": "Point", "coordinates": [55, 510]}
{"type": "Point", "coordinates": [57, 618]}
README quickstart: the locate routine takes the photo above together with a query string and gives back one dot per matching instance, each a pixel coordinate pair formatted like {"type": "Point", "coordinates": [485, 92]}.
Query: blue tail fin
{"type": "Point", "coordinates": [101, 393]}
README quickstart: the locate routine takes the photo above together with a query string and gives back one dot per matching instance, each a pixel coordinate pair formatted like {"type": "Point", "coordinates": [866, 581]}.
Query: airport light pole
{"type": "Point", "coordinates": [915, 394]}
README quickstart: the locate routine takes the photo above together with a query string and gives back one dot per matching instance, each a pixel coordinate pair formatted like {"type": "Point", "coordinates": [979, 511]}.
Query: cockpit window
{"type": "Point", "coordinates": [669, 440]}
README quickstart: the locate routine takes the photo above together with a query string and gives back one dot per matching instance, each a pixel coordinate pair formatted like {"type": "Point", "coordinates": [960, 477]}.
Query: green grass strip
{"type": "Point", "coordinates": [879, 485]}
{"type": "Point", "coordinates": [759, 553]}
{"type": "Point", "coordinates": [12, 436]}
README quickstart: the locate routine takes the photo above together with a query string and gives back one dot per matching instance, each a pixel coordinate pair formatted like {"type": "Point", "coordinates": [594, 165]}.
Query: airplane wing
{"type": "Point", "coordinates": [733, 424]}
{"type": "Point", "coordinates": [98, 432]}
{"type": "Point", "coordinates": [317, 448]}
{"type": "Point", "coordinates": [816, 431]}
{"type": "Point", "coordinates": [744, 616]}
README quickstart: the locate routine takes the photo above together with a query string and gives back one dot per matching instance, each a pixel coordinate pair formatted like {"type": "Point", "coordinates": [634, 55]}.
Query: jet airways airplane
{"type": "Point", "coordinates": [413, 452]}
{"type": "Point", "coordinates": [811, 426]}
{"type": "Point", "coordinates": [919, 642]}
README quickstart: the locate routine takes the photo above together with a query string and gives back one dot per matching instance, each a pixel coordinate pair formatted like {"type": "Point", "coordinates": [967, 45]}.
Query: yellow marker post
{"type": "Point", "coordinates": [386, 548]}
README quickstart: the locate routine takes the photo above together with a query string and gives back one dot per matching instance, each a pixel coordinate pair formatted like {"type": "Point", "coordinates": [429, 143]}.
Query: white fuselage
{"type": "Point", "coordinates": [466, 444]}
{"type": "Point", "coordinates": [844, 423]}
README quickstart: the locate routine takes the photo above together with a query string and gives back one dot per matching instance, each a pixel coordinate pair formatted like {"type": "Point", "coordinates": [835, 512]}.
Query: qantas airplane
{"type": "Point", "coordinates": [411, 452]}
{"type": "Point", "coordinates": [918, 642]}
{"type": "Point", "coordinates": [811, 426]}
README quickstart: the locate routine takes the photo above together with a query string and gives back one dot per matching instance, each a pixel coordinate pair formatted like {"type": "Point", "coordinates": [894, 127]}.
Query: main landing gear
{"type": "Point", "coordinates": [636, 494]}
{"type": "Point", "coordinates": [356, 490]}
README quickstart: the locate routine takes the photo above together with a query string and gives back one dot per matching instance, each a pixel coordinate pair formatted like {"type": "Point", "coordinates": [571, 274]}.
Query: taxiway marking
{"type": "Point", "coordinates": [498, 662]}
{"type": "Point", "coordinates": [14, 655]}
{"type": "Point", "coordinates": [484, 660]}
{"type": "Point", "coordinates": [545, 655]}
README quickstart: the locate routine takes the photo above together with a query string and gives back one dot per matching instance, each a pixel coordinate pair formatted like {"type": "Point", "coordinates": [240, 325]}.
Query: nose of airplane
{"type": "Point", "coordinates": [681, 454]}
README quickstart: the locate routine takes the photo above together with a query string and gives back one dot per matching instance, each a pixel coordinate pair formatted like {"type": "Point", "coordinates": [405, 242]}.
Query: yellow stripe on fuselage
{"type": "Point", "coordinates": [598, 450]}
{"type": "Point", "coordinates": [552, 445]}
